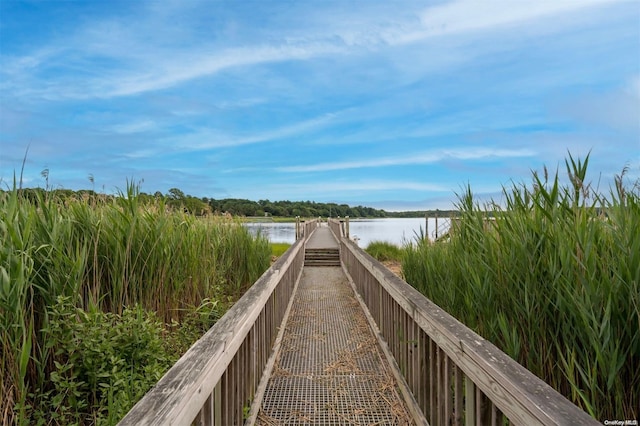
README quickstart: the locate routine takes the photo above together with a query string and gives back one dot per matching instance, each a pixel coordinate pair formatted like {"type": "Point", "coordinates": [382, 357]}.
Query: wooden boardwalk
{"type": "Point", "coordinates": [302, 346]}
{"type": "Point", "coordinates": [330, 368]}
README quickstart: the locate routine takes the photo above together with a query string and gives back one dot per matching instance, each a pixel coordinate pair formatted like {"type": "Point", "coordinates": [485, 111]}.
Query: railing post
{"type": "Point", "coordinates": [426, 226]}
{"type": "Point", "coordinates": [298, 236]}
{"type": "Point", "coordinates": [347, 226]}
{"type": "Point", "coordinates": [436, 224]}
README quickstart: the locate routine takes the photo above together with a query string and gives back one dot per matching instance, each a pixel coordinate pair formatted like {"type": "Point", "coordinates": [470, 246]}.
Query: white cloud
{"type": "Point", "coordinates": [140, 154]}
{"type": "Point", "coordinates": [200, 64]}
{"type": "Point", "coordinates": [359, 186]}
{"type": "Point", "coordinates": [141, 61]}
{"type": "Point", "coordinates": [204, 139]}
{"type": "Point", "coordinates": [429, 157]}
{"type": "Point", "coordinates": [331, 188]}
{"type": "Point", "coordinates": [475, 15]}
{"type": "Point", "coordinates": [134, 127]}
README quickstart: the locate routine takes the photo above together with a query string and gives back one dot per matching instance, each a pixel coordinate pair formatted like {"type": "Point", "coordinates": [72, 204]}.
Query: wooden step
{"type": "Point", "coordinates": [322, 257]}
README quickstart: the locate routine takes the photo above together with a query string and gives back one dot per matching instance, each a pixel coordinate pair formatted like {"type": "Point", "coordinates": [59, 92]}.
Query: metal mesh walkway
{"type": "Point", "coordinates": [330, 369]}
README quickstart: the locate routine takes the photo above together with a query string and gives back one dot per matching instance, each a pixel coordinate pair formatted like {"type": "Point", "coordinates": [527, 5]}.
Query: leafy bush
{"type": "Point", "coordinates": [103, 363]}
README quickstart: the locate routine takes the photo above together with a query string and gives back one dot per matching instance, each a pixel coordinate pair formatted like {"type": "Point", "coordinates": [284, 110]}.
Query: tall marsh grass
{"type": "Point", "coordinates": [64, 258]}
{"type": "Point", "coordinates": [384, 251]}
{"type": "Point", "coordinates": [553, 279]}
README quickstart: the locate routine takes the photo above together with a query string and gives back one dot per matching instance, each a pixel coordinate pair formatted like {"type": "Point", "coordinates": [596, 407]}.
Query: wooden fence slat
{"type": "Point", "coordinates": [446, 391]}
{"type": "Point", "coordinates": [469, 402]}
{"type": "Point", "coordinates": [458, 397]}
{"type": "Point", "coordinates": [433, 385]}
{"type": "Point", "coordinates": [415, 360]}
{"type": "Point", "coordinates": [424, 371]}
{"type": "Point", "coordinates": [441, 392]}
{"type": "Point", "coordinates": [217, 405]}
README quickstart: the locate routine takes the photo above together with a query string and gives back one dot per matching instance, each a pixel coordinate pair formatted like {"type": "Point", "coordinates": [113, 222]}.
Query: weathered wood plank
{"type": "Point", "coordinates": [470, 402]}
{"type": "Point", "coordinates": [217, 404]}
{"type": "Point", "coordinates": [415, 360]}
{"type": "Point", "coordinates": [440, 394]}
{"type": "Point", "coordinates": [424, 369]}
{"type": "Point", "coordinates": [433, 385]}
{"type": "Point", "coordinates": [458, 397]}
{"type": "Point", "coordinates": [447, 391]}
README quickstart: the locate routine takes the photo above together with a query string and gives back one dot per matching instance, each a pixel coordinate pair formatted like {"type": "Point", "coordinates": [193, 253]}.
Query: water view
{"type": "Point", "coordinates": [276, 232]}
{"type": "Point", "coordinates": [397, 231]}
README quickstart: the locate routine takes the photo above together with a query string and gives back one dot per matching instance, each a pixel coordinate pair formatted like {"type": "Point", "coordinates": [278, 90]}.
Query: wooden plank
{"type": "Point", "coordinates": [205, 416]}
{"type": "Point", "coordinates": [494, 415]}
{"type": "Point", "coordinates": [440, 394]}
{"type": "Point", "coordinates": [415, 359]}
{"type": "Point", "coordinates": [469, 402]}
{"type": "Point", "coordinates": [446, 391]}
{"type": "Point", "coordinates": [424, 371]}
{"type": "Point", "coordinates": [480, 419]}
{"type": "Point", "coordinates": [433, 385]}
{"type": "Point", "coordinates": [458, 397]}
{"type": "Point", "coordinates": [254, 360]}
{"type": "Point", "coordinates": [402, 340]}
{"type": "Point", "coordinates": [217, 405]}
{"type": "Point", "coordinates": [518, 393]}
{"type": "Point", "coordinates": [238, 401]}
{"type": "Point", "coordinates": [379, 294]}
{"type": "Point", "coordinates": [393, 337]}
{"type": "Point", "coordinates": [224, 398]}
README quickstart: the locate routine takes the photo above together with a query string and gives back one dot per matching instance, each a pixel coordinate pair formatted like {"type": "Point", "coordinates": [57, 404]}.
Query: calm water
{"type": "Point", "coordinates": [276, 232]}
{"type": "Point", "coordinates": [363, 231]}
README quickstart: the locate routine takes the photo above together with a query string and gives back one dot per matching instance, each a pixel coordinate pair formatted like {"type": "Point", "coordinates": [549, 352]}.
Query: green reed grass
{"type": "Point", "coordinates": [278, 249]}
{"type": "Point", "coordinates": [553, 279]}
{"type": "Point", "coordinates": [384, 251]}
{"type": "Point", "coordinates": [105, 255]}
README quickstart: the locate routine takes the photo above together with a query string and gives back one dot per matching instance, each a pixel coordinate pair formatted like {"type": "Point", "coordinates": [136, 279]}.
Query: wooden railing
{"type": "Point", "coordinates": [339, 227]}
{"type": "Point", "coordinates": [454, 376]}
{"type": "Point", "coordinates": [305, 228]}
{"type": "Point", "coordinates": [215, 382]}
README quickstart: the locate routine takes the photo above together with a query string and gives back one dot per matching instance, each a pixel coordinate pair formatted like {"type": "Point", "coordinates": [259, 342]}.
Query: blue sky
{"type": "Point", "coordinates": [390, 104]}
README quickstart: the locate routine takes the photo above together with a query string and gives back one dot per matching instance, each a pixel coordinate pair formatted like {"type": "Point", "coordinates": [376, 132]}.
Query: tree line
{"type": "Point", "coordinates": [242, 207]}
{"type": "Point", "coordinates": [177, 199]}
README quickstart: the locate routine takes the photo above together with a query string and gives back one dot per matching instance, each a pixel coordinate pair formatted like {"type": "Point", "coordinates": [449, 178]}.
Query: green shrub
{"type": "Point", "coordinates": [103, 363]}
